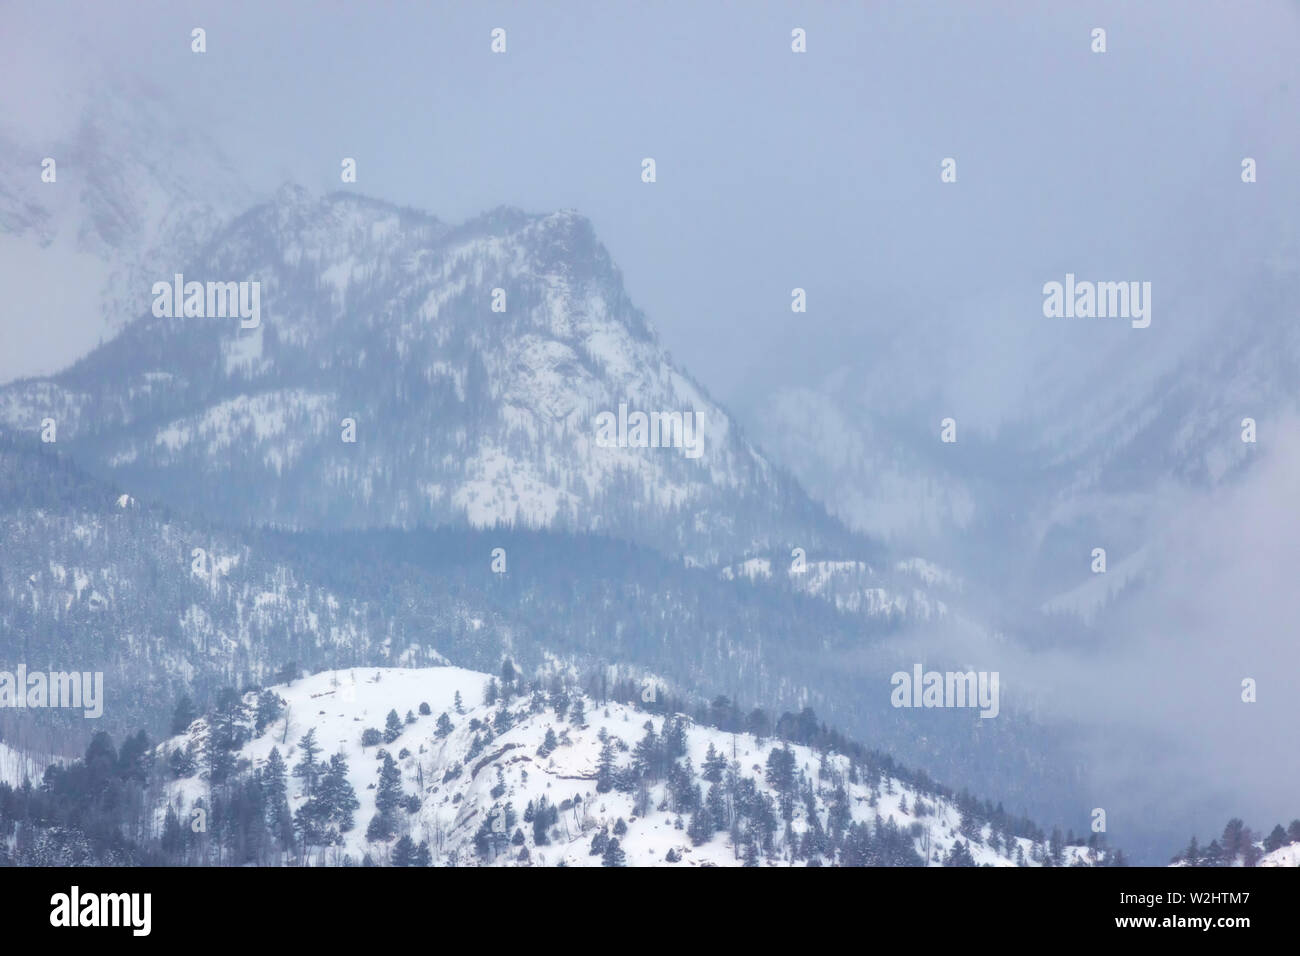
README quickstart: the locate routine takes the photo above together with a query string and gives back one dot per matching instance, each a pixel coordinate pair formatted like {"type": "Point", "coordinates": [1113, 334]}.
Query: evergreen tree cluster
{"type": "Point", "coordinates": [1238, 845]}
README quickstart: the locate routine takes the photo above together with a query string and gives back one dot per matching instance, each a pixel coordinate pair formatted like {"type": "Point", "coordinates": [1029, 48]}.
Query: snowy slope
{"type": "Point", "coordinates": [457, 789]}
{"type": "Point", "coordinates": [907, 589]}
{"type": "Point", "coordinates": [384, 316]}
{"type": "Point", "coordinates": [1282, 856]}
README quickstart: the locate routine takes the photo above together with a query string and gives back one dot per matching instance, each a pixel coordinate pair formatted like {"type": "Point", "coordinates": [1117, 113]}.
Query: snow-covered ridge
{"type": "Point", "coordinates": [462, 776]}
{"type": "Point", "coordinates": [474, 361]}
{"type": "Point", "coordinates": [858, 587]}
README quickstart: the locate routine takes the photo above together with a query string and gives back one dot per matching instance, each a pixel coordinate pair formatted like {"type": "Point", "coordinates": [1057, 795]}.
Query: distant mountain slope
{"type": "Point", "coordinates": [1108, 439]}
{"type": "Point", "coordinates": [385, 317]}
{"type": "Point", "coordinates": [91, 581]}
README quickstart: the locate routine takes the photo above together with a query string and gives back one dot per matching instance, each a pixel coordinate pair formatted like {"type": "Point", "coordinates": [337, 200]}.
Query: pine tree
{"type": "Point", "coordinates": [135, 758]}
{"type": "Point", "coordinates": [780, 777]}
{"type": "Point", "coordinates": [269, 708]}
{"type": "Point", "coordinates": [173, 837]}
{"type": "Point", "coordinates": [674, 740]}
{"type": "Point", "coordinates": [390, 786]}
{"type": "Point", "coordinates": [336, 794]}
{"type": "Point", "coordinates": [614, 855]}
{"type": "Point", "coordinates": [404, 852]}
{"type": "Point", "coordinates": [383, 824]}
{"type": "Point", "coordinates": [393, 727]}
{"type": "Point", "coordinates": [274, 782]}
{"type": "Point", "coordinates": [959, 855]}
{"type": "Point", "coordinates": [228, 717]}
{"type": "Point", "coordinates": [1214, 854]}
{"type": "Point", "coordinates": [1234, 839]}
{"type": "Point", "coordinates": [182, 761]}
{"type": "Point", "coordinates": [605, 768]}
{"type": "Point", "coordinates": [459, 704]}
{"type": "Point", "coordinates": [545, 816]}
{"type": "Point", "coordinates": [183, 715]}
{"type": "Point", "coordinates": [307, 768]}
{"type": "Point", "coordinates": [380, 828]}
{"type": "Point", "coordinates": [717, 807]}
{"type": "Point", "coordinates": [840, 815]}
{"type": "Point", "coordinates": [645, 755]}
{"type": "Point", "coordinates": [560, 702]}
{"type": "Point", "coordinates": [549, 743]}
{"type": "Point", "coordinates": [701, 829]}
{"type": "Point", "coordinates": [1275, 840]}
{"type": "Point", "coordinates": [226, 734]}
{"type": "Point", "coordinates": [715, 765]}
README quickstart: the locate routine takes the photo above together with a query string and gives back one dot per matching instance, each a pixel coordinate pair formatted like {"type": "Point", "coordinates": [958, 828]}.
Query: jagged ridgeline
{"type": "Point", "coordinates": [461, 411]}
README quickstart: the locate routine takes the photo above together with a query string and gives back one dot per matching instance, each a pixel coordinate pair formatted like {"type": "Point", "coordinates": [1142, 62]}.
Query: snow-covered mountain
{"type": "Point", "coordinates": [521, 782]}
{"type": "Point", "coordinates": [378, 323]}
{"type": "Point", "coordinates": [1109, 440]}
